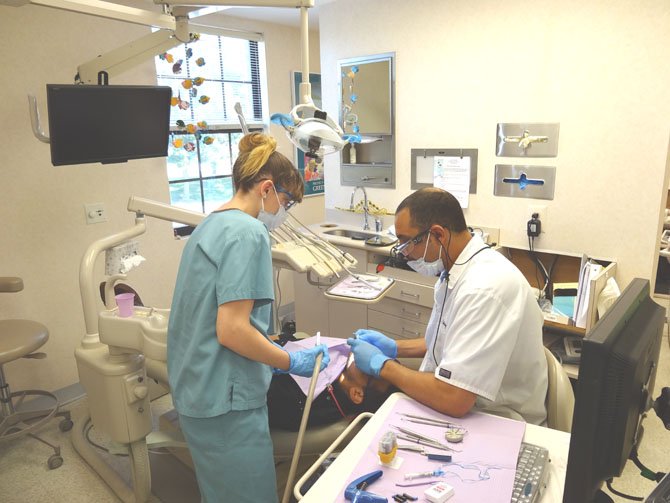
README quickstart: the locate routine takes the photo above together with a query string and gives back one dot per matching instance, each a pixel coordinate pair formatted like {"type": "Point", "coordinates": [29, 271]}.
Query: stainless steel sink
{"type": "Point", "coordinates": [347, 233]}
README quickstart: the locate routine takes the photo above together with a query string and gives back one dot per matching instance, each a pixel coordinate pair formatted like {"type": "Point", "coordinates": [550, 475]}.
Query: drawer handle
{"type": "Point", "coordinates": [409, 294]}
{"type": "Point", "coordinates": [411, 313]}
{"type": "Point", "coordinates": [411, 332]}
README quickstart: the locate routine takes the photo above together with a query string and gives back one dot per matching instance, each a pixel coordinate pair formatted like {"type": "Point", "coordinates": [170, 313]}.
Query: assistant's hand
{"type": "Point", "coordinates": [302, 362]}
{"type": "Point", "coordinates": [369, 359]}
{"type": "Point", "coordinates": [387, 345]}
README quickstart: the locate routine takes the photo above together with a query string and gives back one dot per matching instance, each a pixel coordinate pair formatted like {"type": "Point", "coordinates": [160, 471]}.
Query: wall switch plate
{"type": "Point", "coordinates": [95, 213]}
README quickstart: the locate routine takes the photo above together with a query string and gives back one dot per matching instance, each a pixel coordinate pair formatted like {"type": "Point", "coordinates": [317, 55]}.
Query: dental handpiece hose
{"type": "Point", "coordinates": [301, 430]}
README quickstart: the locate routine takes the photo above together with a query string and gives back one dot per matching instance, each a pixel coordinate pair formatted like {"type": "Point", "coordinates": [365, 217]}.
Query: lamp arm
{"type": "Point", "coordinates": [305, 85]}
{"type": "Point", "coordinates": [162, 211]}
{"type": "Point", "coordinates": [130, 55]}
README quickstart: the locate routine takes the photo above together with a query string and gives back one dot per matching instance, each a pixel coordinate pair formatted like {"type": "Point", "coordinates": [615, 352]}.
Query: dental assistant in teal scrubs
{"type": "Point", "coordinates": [220, 360]}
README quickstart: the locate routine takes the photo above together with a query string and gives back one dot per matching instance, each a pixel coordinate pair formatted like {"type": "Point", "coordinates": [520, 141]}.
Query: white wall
{"type": "Point", "coordinates": [598, 67]}
{"type": "Point", "coordinates": [44, 232]}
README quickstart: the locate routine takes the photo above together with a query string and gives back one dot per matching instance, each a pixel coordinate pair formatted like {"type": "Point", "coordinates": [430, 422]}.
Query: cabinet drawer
{"type": "Point", "coordinates": [405, 310]}
{"type": "Point", "coordinates": [413, 293]}
{"type": "Point", "coordinates": [394, 326]}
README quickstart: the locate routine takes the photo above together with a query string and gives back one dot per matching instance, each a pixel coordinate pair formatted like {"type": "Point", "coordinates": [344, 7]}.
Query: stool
{"type": "Point", "coordinates": [20, 339]}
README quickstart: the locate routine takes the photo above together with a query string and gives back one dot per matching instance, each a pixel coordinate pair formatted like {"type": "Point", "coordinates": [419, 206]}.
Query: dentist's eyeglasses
{"type": "Point", "coordinates": [291, 202]}
{"type": "Point", "coordinates": [404, 249]}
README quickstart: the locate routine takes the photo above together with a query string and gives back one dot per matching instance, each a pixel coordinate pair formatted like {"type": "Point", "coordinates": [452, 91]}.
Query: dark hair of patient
{"type": "Point", "coordinates": [429, 206]}
{"type": "Point", "coordinates": [372, 401]}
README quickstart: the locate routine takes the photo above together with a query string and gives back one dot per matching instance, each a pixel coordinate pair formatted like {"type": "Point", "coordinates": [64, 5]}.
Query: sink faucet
{"type": "Point", "coordinates": [366, 212]}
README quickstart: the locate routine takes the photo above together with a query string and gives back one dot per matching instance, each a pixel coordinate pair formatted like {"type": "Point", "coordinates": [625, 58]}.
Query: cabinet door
{"type": "Point", "coordinates": [346, 317]}
{"type": "Point", "coordinates": [311, 306]}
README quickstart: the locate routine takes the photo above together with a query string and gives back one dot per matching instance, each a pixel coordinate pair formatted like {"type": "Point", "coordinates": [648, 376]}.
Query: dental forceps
{"type": "Point", "coordinates": [422, 439]}
{"type": "Point", "coordinates": [454, 434]}
{"type": "Point", "coordinates": [429, 420]}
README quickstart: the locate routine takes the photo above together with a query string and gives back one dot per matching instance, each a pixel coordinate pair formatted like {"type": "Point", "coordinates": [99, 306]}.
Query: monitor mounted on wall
{"type": "Point", "coordinates": [107, 124]}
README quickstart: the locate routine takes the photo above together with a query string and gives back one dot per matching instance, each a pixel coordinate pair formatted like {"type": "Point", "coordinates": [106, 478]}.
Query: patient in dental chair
{"type": "Point", "coordinates": [345, 393]}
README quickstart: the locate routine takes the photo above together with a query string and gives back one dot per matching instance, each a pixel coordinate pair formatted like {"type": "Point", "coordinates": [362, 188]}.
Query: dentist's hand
{"type": "Point", "coordinates": [387, 345]}
{"type": "Point", "coordinates": [302, 362]}
{"type": "Point", "coordinates": [369, 359]}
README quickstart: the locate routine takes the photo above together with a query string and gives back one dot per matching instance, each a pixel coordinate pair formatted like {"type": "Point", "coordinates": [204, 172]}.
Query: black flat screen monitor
{"type": "Point", "coordinates": [107, 124]}
{"type": "Point", "coordinates": [614, 389]}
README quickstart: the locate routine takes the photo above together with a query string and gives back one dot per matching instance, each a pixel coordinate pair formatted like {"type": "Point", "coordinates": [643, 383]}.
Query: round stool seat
{"type": "Point", "coordinates": [19, 338]}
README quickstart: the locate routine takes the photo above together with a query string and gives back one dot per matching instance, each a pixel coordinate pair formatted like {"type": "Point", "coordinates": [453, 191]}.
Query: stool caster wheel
{"type": "Point", "coordinates": [54, 461]}
{"type": "Point", "coordinates": [65, 425]}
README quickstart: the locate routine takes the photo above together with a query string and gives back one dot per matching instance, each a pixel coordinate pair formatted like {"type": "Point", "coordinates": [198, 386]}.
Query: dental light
{"type": "Point", "coordinates": [311, 130]}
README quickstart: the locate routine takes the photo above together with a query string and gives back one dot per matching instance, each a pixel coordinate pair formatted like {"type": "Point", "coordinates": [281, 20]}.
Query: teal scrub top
{"type": "Point", "coordinates": [226, 258]}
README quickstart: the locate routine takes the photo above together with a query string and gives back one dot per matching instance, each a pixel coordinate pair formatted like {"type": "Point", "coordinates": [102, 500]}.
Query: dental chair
{"type": "Point", "coordinates": [560, 399]}
{"type": "Point", "coordinates": [21, 339]}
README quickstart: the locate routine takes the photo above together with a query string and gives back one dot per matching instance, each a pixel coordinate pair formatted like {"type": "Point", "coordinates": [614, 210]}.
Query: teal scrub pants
{"type": "Point", "coordinates": [233, 456]}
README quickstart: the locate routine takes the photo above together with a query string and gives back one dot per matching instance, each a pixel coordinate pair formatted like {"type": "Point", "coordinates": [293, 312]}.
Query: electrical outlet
{"type": "Point", "coordinates": [95, 213]}
{"type": "Point", "coordinates": [541, 214]}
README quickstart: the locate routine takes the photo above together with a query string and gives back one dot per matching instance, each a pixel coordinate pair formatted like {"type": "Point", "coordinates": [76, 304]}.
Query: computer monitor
{"type": "Point", "coordinates": [107, 124]}
{"type": "Point", "coordinates": [614, 389]}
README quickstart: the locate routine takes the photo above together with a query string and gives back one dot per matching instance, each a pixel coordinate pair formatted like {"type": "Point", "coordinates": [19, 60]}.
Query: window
{"type": "Point", "coordinates": [200, 162]}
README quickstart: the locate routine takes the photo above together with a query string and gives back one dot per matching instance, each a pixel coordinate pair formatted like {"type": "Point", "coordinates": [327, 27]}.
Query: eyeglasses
{"type": "Point", "coordinates": [291, 202]}
{"type": "Point", "coordinates": [406, 248]}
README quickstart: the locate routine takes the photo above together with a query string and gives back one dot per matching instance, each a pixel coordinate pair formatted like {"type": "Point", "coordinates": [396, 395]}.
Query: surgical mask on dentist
{"type": "Point", "coordinates": [433, 269]}
{"type": "Point", "coordinates": [273, 220]}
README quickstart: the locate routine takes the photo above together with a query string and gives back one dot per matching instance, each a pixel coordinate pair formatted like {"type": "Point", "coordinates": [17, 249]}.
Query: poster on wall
{"type": "Point", "coordinates": [310, 169]}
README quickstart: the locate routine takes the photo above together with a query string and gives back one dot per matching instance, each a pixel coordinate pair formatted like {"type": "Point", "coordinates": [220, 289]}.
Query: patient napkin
{"type": "Point", "coordinates": [338, 350]}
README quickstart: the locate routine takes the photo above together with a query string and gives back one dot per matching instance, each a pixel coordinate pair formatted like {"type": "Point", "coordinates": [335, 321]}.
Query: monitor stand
{"type": "Point", "coordinates": [602, 497]}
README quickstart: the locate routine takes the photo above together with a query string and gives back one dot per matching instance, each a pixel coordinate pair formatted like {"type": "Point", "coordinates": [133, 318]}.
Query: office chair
{"type": "Point", "coordinates": [21, 339]}
{"type": "Point", "coordinates": [560, 400]}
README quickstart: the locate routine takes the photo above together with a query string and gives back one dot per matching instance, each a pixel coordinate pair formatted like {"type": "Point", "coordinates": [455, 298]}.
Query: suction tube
{"type": "Point", "coordinates": [301, 431]}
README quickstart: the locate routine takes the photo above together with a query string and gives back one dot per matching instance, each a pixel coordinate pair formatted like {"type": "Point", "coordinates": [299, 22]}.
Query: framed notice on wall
{"type": "Point", "coordinates": [311, 171]}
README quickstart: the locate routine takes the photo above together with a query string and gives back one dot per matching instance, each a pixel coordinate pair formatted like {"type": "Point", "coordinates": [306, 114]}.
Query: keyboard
{"type": "Point", "coordinates": [531, 473]}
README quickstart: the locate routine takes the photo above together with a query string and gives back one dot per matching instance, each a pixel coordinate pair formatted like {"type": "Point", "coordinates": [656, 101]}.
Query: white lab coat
{"type": "Point", "coordinates": [489, 339]}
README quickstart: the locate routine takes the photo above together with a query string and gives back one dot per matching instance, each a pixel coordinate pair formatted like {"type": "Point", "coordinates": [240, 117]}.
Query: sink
{"type": "Point", "coordinates": [347, 233]}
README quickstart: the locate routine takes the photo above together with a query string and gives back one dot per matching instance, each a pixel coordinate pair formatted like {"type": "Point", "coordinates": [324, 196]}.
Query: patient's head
{"type": "Point", "coordinates": [357, 392]}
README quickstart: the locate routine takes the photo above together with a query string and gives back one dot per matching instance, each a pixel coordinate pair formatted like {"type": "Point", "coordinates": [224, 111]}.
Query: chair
{"type": "Point", "coordinates": [560, 400]}
{"type": "Point", "coordinates": [21, 339]}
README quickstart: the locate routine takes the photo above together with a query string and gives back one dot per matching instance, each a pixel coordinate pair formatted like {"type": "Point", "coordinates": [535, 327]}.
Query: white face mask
{"type": "Point", "coordinates": [273, 220]}
{"type": "Point", "coordinates": [427, 268]}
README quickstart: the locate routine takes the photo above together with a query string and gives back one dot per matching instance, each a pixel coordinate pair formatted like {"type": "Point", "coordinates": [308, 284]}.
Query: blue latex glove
{"type": "Point", "coordinates": [369, 359]}
{"type": "Point", "coordinates": [302, 362]}
{"type": "Point", "coordinates": [386, 344]}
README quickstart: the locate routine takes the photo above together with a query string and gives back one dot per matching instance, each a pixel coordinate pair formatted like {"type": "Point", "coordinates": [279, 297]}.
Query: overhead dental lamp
{"type": "Point", "coordinates": [311, 130]}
